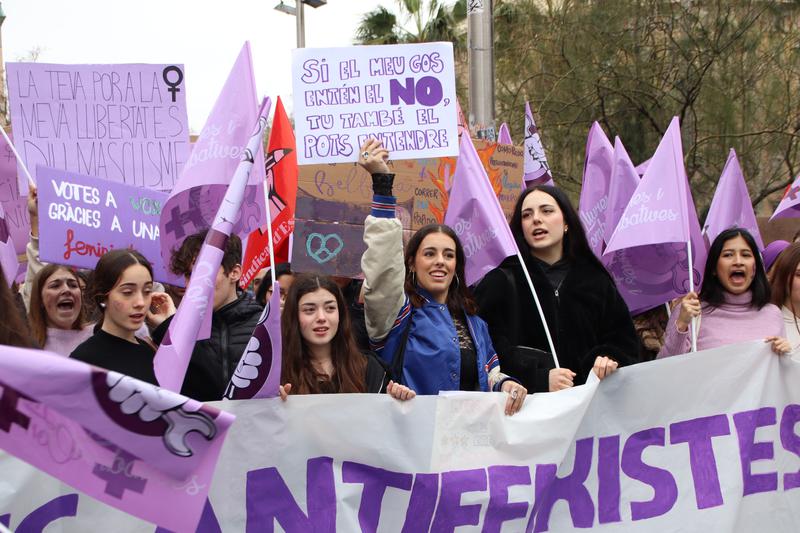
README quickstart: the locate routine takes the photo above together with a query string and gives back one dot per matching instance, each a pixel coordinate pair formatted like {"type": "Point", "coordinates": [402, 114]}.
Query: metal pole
{"type": "Point", "coordinates": [301, 26]}
{"type": "Point", "coordinates": [480, 33]}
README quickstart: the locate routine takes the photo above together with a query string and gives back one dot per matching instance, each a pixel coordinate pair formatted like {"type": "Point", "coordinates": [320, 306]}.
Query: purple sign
{"type": "Point", "coordinates": [123, 123]}
{"type": "Point", "coordinates": [82, 217]}
{"type": "Point", "coordinates": [14, 205]}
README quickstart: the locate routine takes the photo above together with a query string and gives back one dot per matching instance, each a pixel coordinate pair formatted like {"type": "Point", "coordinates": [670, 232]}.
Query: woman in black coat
{"type": "Point", "coordinates": [588, 320]}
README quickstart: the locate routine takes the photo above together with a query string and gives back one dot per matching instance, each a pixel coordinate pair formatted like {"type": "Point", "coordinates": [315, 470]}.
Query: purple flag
{"type": "Point", "coordinates": [474, 213]}
{"type": "Point", "coordinates": [790, 203]}
{"type": "Point", "coordinates": [623, 183]}
{"type": "Point", "coordinates": [8, 255]}
{"type": "Point", "coordinates": [536, 170]}
{"type": "Point", "coordinates": [594, 188]}
{"type": "Point", "coordinates": [192, 321]}
{"type": "Point", "coordinates": [660, 212]}
{"type": "Point", "coordinates": [198, 193]}
{"type": "Point", "coordinates": [731, 206]}
{"type": "Point", "coordinates": [642, 167]}
{"type": "Point", "coordinates": [504, 136]}
{"type": "Point", "coordinates": [258, 373]}
{"type": "Point", "coordinates": [141, 449]}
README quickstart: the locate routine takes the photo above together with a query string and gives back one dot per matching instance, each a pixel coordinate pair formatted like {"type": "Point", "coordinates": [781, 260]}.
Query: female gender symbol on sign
{"type": "Point", "coordinates": [173, 85]}
{"type": "Point", "coordinates": [321, 253]}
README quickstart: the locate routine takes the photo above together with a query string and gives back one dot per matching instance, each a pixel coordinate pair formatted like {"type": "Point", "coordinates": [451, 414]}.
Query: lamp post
{"type": "Point", "coordinates": [480, 40]}
{"type": "Point", "coordinates": [297, 11]}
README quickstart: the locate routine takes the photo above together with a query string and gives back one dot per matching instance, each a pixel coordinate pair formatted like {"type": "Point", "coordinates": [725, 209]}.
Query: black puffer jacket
{"type": "Point", "coordinates": [232, 326]}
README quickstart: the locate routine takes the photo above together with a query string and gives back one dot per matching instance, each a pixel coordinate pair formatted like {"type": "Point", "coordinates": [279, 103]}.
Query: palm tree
{"type": "Point", "coordinates": [436, 23]}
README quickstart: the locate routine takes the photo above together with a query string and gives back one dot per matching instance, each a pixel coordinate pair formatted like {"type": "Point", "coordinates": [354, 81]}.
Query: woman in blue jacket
{"type": "Point", "coordinates": [417, 306]}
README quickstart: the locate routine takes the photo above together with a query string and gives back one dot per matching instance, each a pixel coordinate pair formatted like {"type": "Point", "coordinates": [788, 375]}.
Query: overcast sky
{"type": "Point", "coordinates": [204, 35]}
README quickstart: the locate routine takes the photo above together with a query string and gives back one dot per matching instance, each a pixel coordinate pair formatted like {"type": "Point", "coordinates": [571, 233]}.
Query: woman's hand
{"type": "Point", "coordinates": [373, 157]}
{"type": "Point", "coordinates": [604, 366]}
{"type": "Point", "coordinates": [516, 396]}
{"type": "Point", "coordinates": [779, 345]}
{"type": "Point", "coordinates": [690, 308]}
{"type": "Point", "coordinates": [560, 378]}
{"type": "Point", "coordinates": [161, 308]}
{"type": "Point", "coordinates": [399, 392]}
{"type": "Point", "coordinates": [284, 391]}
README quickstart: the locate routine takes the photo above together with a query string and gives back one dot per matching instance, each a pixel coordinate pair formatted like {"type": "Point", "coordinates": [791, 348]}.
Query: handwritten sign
{"type": "Point", "coordinates": [335, 200]}
{"type": "Point", "coordinates": [82, 217]}
{"type": "Point", "coordinates": [123, 123]}
{"type": "Point", "coordinates": [403, 95]}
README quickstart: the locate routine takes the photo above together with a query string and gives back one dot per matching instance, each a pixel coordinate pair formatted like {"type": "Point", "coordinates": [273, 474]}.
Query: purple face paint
{"type": "Point", "coordinates": [500, 509]}
{"type": "Point", "coordinates": [747, 422]}
{"type": "Point", "coordinates": [664, 487]}
{"type": "Point", "coordinates": [791, 442]}
{"type": "Point", "coordinates": [697, 434]}
{"type": "Point", "coordinates": [450, 513]}
{"type": "Point", "coordinates": [375, 481]}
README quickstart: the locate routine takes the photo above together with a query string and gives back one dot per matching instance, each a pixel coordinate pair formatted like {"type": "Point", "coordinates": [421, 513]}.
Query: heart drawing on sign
{"type": "Point", "coordinates": [317, 247]}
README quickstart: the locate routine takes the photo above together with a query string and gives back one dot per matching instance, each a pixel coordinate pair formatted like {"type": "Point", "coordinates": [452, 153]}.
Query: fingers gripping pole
{"type": "Point", "coordinates": [539, 309]}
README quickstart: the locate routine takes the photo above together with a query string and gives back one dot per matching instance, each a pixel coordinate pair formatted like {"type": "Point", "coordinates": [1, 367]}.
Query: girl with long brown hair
{"type": "Point", "coordinates": [319, 353]}
{"type": "Point", "coordinates": [786, 293]}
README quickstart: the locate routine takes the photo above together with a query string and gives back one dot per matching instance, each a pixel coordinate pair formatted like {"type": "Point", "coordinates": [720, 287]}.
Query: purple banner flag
{"type": "Point", "coordinates": [136, 447]}
{"type": "Point", "coordinates": [194, 201]}
{"type": "Point", "coordinates": [124, 123]}
{"type": "Point", "coordinates": [789, 207]}
{"type": "Point", "coordinates": [83, 217]}
{"type": "Point", "coordinates": [537, 171]}
{"type": "Point", "coordinates": [731, 206]}
{"type": "Point", "coordinates": [258, 373]}
{"type": "Point", "coordinates": [594, 188]}
{"type": "Point", "coordinates": [476, 216]}
{"type": "Point", "coordinates": [8, 255]}
{"type": "Point", "coordinates": [192, 321]}
{"type": "Point", "coordinates": [641, 168]}
{"type": "Point", "coordinates": [503, 135]}
{"type": "Point", "coordinates": [660, 212]}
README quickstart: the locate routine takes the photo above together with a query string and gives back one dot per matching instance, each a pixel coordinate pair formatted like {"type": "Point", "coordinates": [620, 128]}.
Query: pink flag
{"type": "Point", "coordinates": [196, 197]}
{"type": "Point", "coordinates": [141, 449]}
{"type": "Point", "coordinates": [536, 171]}
{"type": "Point", "coordinates": [623, 183]}
{"type": "Point", "coordinates": [8, 255]}
{"type": "Point", "coordinates": [504, 136]}
{"type": "Point", "coordinates": [731, 206]}
{"type": "Point", "coordinates": [594, 188]}
{"type": "Point", "coordinates": [661, 212]}
{"type": "Point", "coordinates": [258, 373]}
{"type": "Point", "coordinates": [642, 167]}
{"type": "Point", "coordinates": [192, 321]}
{"type": "Point", "coordinates": [474, 213]}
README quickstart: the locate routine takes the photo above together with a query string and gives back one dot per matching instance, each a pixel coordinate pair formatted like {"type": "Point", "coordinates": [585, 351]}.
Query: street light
{"type": "Point", "coordinates": [297, 11]}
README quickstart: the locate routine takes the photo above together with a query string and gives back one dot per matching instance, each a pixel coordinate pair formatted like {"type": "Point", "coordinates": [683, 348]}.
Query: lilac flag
{"type": "Point", "coordinates": [504, 136]}
{"type": "Point", "coordinates": [660, 212]}
{"type": "Point", "coordinates": [8, 255]}
{"type": "Point", "coordinates": [642, 167]}
{"type": "Point", "coordinates": [623, 183]}
{"type": "Point", "coordinates": [594, 188]}
{"type": "Point", "coordinates": [536, 170]}
{"type": "Point", "coordinates": [731, 206]}
{"type": "Point", "coordinates": [790, 203]}
{"type": "Point", "coordinates": [258, 373]}
{"type": "Point", "coordinates": [192, 321]}
{"type": "Point", "coordinates": [474, 213]}
{"type": "Point", "coordinates": [141, 449]}
{"type": "Point", "coordinates": [197, 194]}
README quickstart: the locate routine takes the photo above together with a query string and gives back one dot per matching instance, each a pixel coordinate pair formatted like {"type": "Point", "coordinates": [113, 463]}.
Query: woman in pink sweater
{"type": "Point", "coordinates": [733, 304]}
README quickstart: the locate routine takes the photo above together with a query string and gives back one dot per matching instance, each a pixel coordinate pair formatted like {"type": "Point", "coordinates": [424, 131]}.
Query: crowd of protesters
{"type": "Point", "coordinates": [412, 326]}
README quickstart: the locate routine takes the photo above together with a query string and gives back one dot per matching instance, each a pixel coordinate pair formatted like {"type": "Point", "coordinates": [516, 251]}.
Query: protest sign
{"type": "Point", "coordinates": [335, 200]}
{"type": "Point", "coordinates": [404, 95]}
{"type": "Point", "coordinates": [82, 217]}
{"type": "Point", "coordinates": [15, 206]}
{"type": "Point", "coordinates": [706, 442]}
{"type": "Point", "coordinates": [124, 123]}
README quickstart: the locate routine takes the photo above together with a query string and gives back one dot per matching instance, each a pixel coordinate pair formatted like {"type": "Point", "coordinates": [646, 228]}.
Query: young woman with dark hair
{"type": "Point", "coordinates": [733, 304]}
{"type": "Point", "coordinates": [417, 306]}
{"type": "Point", "coordinates": [319, 353]}
{"type": "Point", "coordinates": [56, 313]}
{"type": "Point", "coordinates": [786, 293]}
{"type": "Point", "coordinates": [13, 331]}
{"type": "Point", "coordinates": [587, 319]}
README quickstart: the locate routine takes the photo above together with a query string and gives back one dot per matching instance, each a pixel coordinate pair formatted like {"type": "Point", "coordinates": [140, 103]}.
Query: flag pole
{"type": "Point", "coordinates": [31, 183]}
{"type": "Point", "coordinates": [691, 289]}
{"type": "Point", "coordinates": [270, 245]}
{"type": "Point", "coordinates": [538, 308]}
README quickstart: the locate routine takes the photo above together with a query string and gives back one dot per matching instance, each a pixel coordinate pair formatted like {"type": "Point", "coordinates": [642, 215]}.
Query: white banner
{"type": "Point", "coordinates": [402, 94]}
{"type": "Point", "coordinates": [706, 442]}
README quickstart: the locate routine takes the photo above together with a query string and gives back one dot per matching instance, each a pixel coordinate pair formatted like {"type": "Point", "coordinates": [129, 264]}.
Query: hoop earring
{"type": "Point", "coordinates": [455, 277]}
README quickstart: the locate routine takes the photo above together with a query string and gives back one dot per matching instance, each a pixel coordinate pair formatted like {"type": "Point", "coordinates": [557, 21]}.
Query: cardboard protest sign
{"type": "Point", "coordinates": [334, 200]}
{"type": "Point", "coordinates": [124, 123]}
{"type": "Point", "coordinates": [15, 206]}
{"type": "Point", "coordinates": [404, 95]}
{"type": "Point", "coordinates": [82, 217]}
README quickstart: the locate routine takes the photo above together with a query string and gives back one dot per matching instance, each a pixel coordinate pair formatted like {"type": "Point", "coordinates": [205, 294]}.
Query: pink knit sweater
{"type": "Point", "coordinates": [734, 321]}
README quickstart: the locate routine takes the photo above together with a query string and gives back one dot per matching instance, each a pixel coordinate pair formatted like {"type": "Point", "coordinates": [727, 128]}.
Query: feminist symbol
{"type": "Point", "coordinates": [179, 219]}
{"type": "Point", "coordinates": [8, 410]}
{"type": "Point", "coordinates": [792, 194]}
{"type": "Point", "coordinates": [118, 476]}
{"type": "Point", "coordinates": [173, 85]}
{"type": "Point", "coordinates": [321, 253]}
